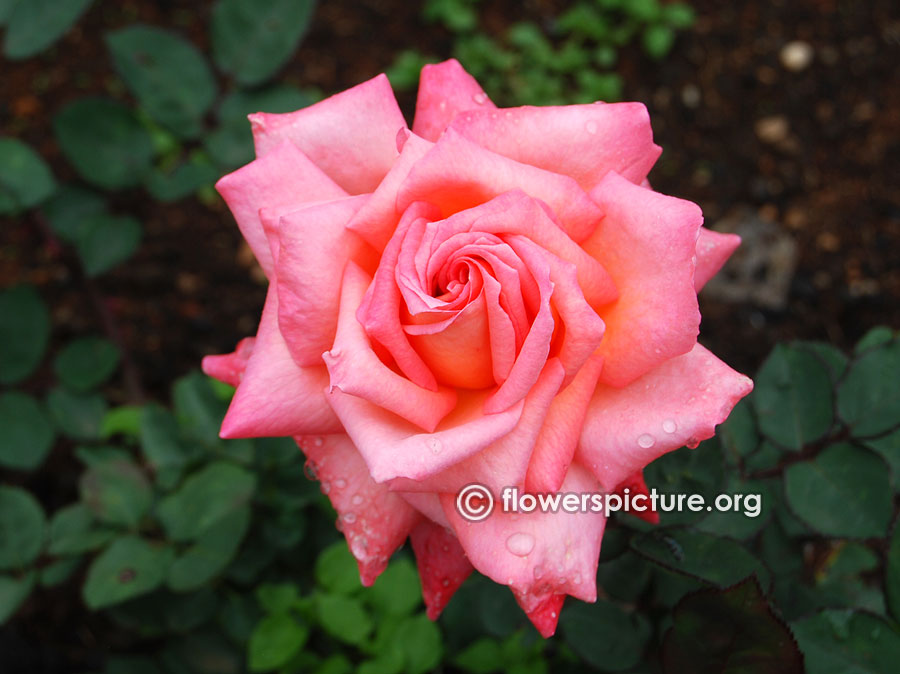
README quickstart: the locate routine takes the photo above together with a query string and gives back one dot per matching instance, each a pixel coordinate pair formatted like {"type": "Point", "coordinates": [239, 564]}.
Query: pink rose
{"type": "Point", "coordinates": [495, 296]}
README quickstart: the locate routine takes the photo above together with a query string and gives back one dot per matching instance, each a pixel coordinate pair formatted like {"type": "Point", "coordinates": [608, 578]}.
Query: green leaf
{"type": "Point", "coordinates": [25, 178]}
{"type": "Point", "coordinates": [86, 363]}
{"type": "Point", "coordinates": [69, 208]}
{"type": "Point", "coordinates": [687, 471]}
{"type": "Point", "coordinates": [397, 590]}
{"type": "Point", "coordinates": [161, 446]}
{"type": "Point", "coordinates": [720, 561]}
{"type": "Point", "coordinates": [58, 572]}
{"type": "Point", "coordinates": [420, 640]}
{"type": "Point", "coordinates": [106, 241]}
{"type": "Point", "coordinates": [104, 141]}
{"type": "Point", "coordinates": [888, 447]}
{"type": "Point", "coordinates": [198, 409]}
{"type": "Point", "coordinates": [22, 528]}
{"type": "Point", "coordinates": [624, 577]}
{"type": "Point", "coordinates": [793, 397]}
{"type": "Point", "coordinates": [27, 432]}
{"type": "Point", "coordinates": [34, 25]}
{"type": "Point", "coordinates": [837, 641]}
{"type": "Point", "coordinates": [13, 591]}
{"type": "Point", "coordinates": [344, 618]}
{"type": "Point", "coordinates": [213, 551]}
{"type": "Point", "coordinates": [732, 630]}
{"type": "Point", "coordinates": [834, 358]}
{"type": "Point", "coordinates": [844, 491]}
{"type": "Point", "coordinates": [73, 531]}
{"type": "Point", "coordinates": [128, 568]}
{"type": "Point", "coordinates": [740, 522]}
{"type": "Point", "coordinates": [209, 494]}
{"type": "Point", "coordinates": [482, 657]}
{"type": "Point", "coordinates": [77, 415]}
{"type": "Point", "coordinates": [166, 73]}
{"type": "Point", "coordinates": [336, 569]}
{"type": "Point", "coordinates": [123, 420]}
{"type": "Point", "coordinates": [186, 179]}
{"type": "Point", "coordinates": [24, 331]}
{"type": "Point", "coordinates": [678, 15]}
{"type": "Point", "coordinates": [658, 40]}
{"type": "Point", "coordinates": [116, 491]}
{"type": "Point", "coordinates": [275, 641]}
{"type": "Point", "coordinates": [738, 432]}
{"type": "Point", "coordinates": [6, 7]}
{"type": "Point", "coordinates": [252, 39]}
{"type": "Point", "coordinates": [875, 337]}
{"type": "Point", "coordinates": [624, 635]}
{"type": "Point", "coordinates": [892, 572]}
{"type": "Point", "coordinates": [277, 598]}
{"type": "Point", "coordinates": [868, 400]}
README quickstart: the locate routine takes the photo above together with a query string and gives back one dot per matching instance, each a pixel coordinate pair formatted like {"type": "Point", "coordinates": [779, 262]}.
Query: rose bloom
{"type": "Point", "coordinates": [495, 296]}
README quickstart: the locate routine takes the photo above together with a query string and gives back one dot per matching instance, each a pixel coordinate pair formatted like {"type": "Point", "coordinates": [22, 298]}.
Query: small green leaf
{"type": "Point", "coordinates": [27, 432]}
{"type": "Point", "coordinates": [732, 630]}
{"type": "Point", "coordinates": [69, 208]}
{"type": "Point", "coordinates": [793, 397]}
{"type": "Point", "coordinates": [624, 639]}
{"type": "Point", "coordinates": [116, 491]}
{"type": "Point", "coordinates": [678, 15]}
{"type": "Point", "coordinates": [58, 572]}
{"type": "Point", "coordinates": [875, 337]}
{"type": "Point", "coordinates": [658, 40]}
{"type": "Point", "coordinates": [892, 572]}
{"type": "Point", "coordinates": [104, 141]}
{"type": "Point", "coordinates": [253, 39]}
{"type": "Point", "coordinates": [198, 409]}
{"type": "Point", "coordinates": [25, 178]}
{"type": "Point", "coordinates": [22, 528]}
{"type": "Point", "coordinates": [166, 73]}
{"type": "Point", "coordinates": [13, 591]}
{"type": "Point", "coordinates": [6, 7]}
{"type": "Point", "coordinates": [277, 598]}
{"type": "Point", "coordinates": [687, 471]}
{"type": "Point", "coordinates": [837, 641]}
{"type": "Point", "coordinates": [624, 577]}
{"type": "Point", "coordinates": [106, 241]}
{"type": "Point", "coordinates": [344, 618]}
{"type": "Point", "coordinates": [275, 641]}
{"type": "Point", "coordinates": [482, 657]}
{"type": "Point", "coordinates": [420, 640]}
{"type": "Point", "coordinates": [34, 25]}
{"type": "Point", "coordinates": [336, 569]}
{"type": "Point", "coordinates": [397, 590]}
{"type": "Point", "coordinates": [24, 331]}
{"type": "Point", "coordinates": [128, 568]}
{"type": "Point", "coordinates": [209, 494]}
{"type": "Point", "coordinates": [738, 432]}
{"type": "Point", "coordinates": [76, 415]}
{"type": "Point", "coordinates": [213, 551]}
{"type": "Point", "coordinates": [844, 491]}
{"type": "Point", "coordinates": [123, 420]}
{"type": "Point", "coordinates": [186, 179]}
{"type": "Point", "coordinates": [86, 363]}
{"type": "Point", "coordinates": [73, 531]}
{"type": "Point", "coordinates": [869, 397]}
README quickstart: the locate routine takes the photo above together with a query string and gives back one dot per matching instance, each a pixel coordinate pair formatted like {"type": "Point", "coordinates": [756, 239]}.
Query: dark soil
{"type": "Point", "coordinates": [824, 173]}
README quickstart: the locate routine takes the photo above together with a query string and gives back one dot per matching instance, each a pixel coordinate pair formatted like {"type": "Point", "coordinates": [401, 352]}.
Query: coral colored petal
{"type": "Point", "coordinates": [374, 521]}
{"type": "Point", "coordinates": [581, 141]}
{"type": "Point", "coordinates": [281, 181]}
{"type": "Point", "coordinates": [445, 90]}
{"type": "Point", "coordinates": [713, 250]}
{"type": "Point", "coordinates": [457, 174]}
{"type": "Point", "coordinates": [443, 566]}
{"type": "Point", "coordinates": [351, 136]}
{"type": "Point", "coordinates": [229, 368]}
{"type": "Point", "coordinates": [427, 503]}
{"type": "Point", "coordinates": [637, 487]}
{"type": "Point", "coordinates": [355, 369]}
{"type": "Point", "coordinates": [275, 396]}
{"type": "Point", "coordinates": [647, 243]}
{"type": "Point", "coordinates": [545, 615]}
{"type": "Point", "coordinates": [559, 435]}
{"type": "Point", "coordinates": [678, 403]}
{"type": "Point", "coordinates": [313, 248]}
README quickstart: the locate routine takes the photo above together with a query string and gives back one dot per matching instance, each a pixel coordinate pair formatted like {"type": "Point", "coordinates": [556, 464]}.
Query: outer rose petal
{"type": "Point", "coordinates": [230, 367]}
{"type": "Point", "coordinates": [375, 522]}
{"type": "Point", "coordinates": [647, 243]}
{"type": "Point", "coordinates": [538, 554]}
{"type": "Point", "coordinates": [282, 181]}
{"type": "Point", "coordinates": [713, 250]}
{"type": "Point", "coordinates": [678, 403]}
{"type": "Point", "coordinates": [351, 136]}
{"type": "Point", "coordinates": [581, 141]}
{"type": "Point", "coordinates": [457, 174]}
{"type": "Point", "coordinates": [443, 565]}
{"type": "Point", "coordinates": [636, 486]}
{"type": "Point", "coordinates": [275, 397]}
{"type": "Point", "coordinates": [445, 90]}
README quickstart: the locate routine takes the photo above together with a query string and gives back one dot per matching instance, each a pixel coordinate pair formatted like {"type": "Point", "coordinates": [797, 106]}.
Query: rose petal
{"type": "Point", "coordinates": [457, 174]}
{"type": "Point", "coordinates": [351, 136]}
{"type": "Point", "coordinates": [678, 403]}
{"type": "Point", "coordinates": [281, 181]}
{"type": "Point", "coordinates": [443, 566]}
{"type": "Point", "coordinates": [229, 368]}
{"type": "Point", "coordinates": [713, 250]}
{"type": "Point", "coordinates": [581, 141]}
{"type": "Point", "coordinates": [355, 369]}
{"type": "Point", "coordinates": [375, 522]}
{"type": "Point", "coordinates": [275, 396]}
{"type": "Point", "coordinates": [647, 243]}
{"type": "Point", "coordinates": [445, 90]}
{"type": "Point", "coordinates": [636, 486]}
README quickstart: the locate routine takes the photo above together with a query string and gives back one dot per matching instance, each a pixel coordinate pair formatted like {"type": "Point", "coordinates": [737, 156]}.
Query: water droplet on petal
{"type": "Point", "coordinates": [520, 543]}
{"type": "Point", "coordinates": [538, 572]}
{"type": "Point", "coordinates": [669, 426]}
{"type": "Point", "coordinates": [326, 487]}
{"type": "Point", "coordinates": [646, 441]}
{"type": "Point", "coordinates": [445, 582]}
{"type": "Point", "coordinates": [356, 500]}
{"type": "Point", "coordinates": [591, 127]}
{"type": "Point", "coordinates": [435, 445]}
{"type": "Point", "coordinates": [577, 579]}
{"type": "Point", "coordinates": [359, 546]}
{"type": "Point", "coordinates": [340, 483]}
{"type": "Point", "coordinates": [479, 98]}
{"type": "Point", "coordinates": [319, 441]}
{"type": "Point", "coordinates": [309, 469]}
{"type": "Point", "coordinates": [349, 518]}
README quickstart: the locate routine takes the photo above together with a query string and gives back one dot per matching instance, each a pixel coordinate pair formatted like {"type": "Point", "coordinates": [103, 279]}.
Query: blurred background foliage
{"type": "Point", "coordinates": [134, 540]}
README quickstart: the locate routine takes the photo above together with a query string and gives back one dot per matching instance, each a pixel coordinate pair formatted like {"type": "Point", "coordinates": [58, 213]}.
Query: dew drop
{"type": "Point", "coordinates": [646, 441]}
{"type": "Point", "coordinates": [520, 543]}
{"type": "Point", "coordinates": [319, 441]}
{"type": "Point", "coordinates": [669, 426]}
{"type": "Point", "coordinates": [359, 546]}
{"type": "Point", "coordinates": [340, 483]}
{"type": "Point", "coordinates": [309, 469]}
{"type": "Point", "coordinates": [576, 579]}
{"type": "Point", "coordinates": [445, 582]}
{"type": "Point", "coordinates": [356, 500]}
{"type": "Point", "coordinates": [591, 127]}
{"type": "Point", "coordinates": [538, 572]}
{"type": "Point", "coordinates": [326, 487]}
{"type": "Point", "coordinates": [435, 445]}
{"type": "Point", "coordinates": [349, 518]}
{"type": "Point", "coordinates": [479, 98]}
